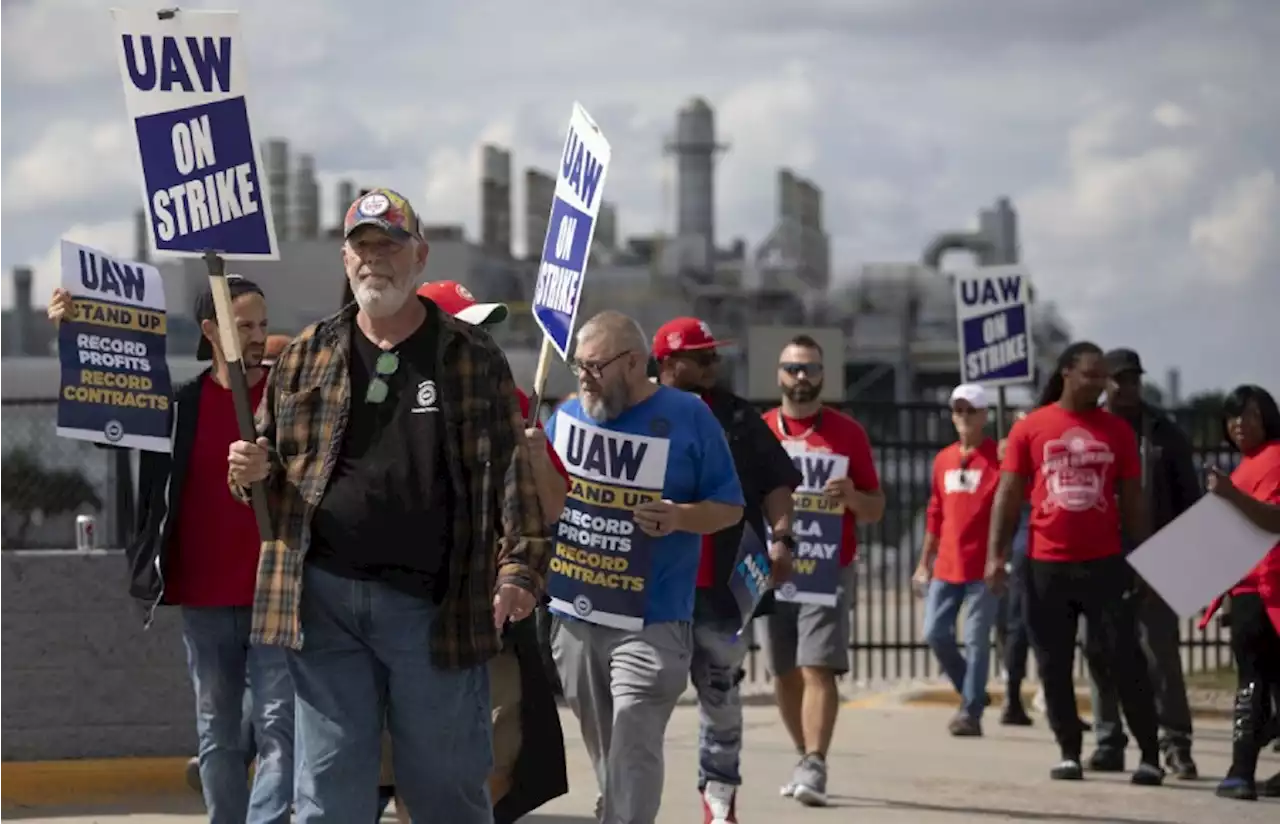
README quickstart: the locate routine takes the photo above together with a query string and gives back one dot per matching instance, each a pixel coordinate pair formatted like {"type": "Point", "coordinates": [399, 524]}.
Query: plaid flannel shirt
{"type": "Point", "coordinates": [498, 532]}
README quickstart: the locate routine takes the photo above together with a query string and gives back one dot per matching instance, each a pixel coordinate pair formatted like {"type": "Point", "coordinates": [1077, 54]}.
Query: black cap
{"type": "Point", "coordinates": [205, 310]}
{"type": "Point", "coordinates": [1119, 361]}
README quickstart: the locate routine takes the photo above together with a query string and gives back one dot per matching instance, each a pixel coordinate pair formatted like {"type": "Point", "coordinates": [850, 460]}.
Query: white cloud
{"type": "Point", "coordinates": [71, 161]}
{"type": "Point", "coordinates": [1129, 136]}
{"type": "Point", "coordinates": [114, 238]}
{"type": "Point", "coordinates": [1236, 238]}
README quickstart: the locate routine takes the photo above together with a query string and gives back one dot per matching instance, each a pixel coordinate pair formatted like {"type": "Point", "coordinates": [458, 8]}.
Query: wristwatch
{"type": "Point", "coordinates": [789, 541]}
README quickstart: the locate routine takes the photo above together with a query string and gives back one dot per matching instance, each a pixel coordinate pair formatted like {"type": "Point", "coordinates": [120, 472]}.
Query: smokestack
{"type": "Point", "coordinates": [539, 191]}
{"type": "Point", "coordinates": [695, 149]}
{"type": "Point", "coordinates": [606, 236]}
{"type": "Point", "coordinates": [346, 196]}
{"type": "Point", "coordinates": [141, 243]}
{"type": "Point", "coordinates": [306, 200]}
{"type": "Point", "coordinates": [276, 159]}
{"type": "Point", "coordinates": [495, 200]}
{"type": "Point", "coordinates": [22, 278]}
{"type": "Point", "coordinates": [1174, 381]}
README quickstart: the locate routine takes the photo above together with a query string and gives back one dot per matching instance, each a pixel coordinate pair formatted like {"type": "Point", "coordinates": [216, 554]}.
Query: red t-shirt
{"type": "Point", "coordinates": [212, 558]}
{"type": "Point", "coordinates": [555, 459]}
{"type": "Point", "coordinates": [959, 513]}
{"type": "Point", "coordinates": [707, 560]}
{"type": "Point", "coordinates": [1073, 461]}
{"type": "Point", "coordinates": [1258, 476]}
{"type": "Point", "coordinates": [835, 432]}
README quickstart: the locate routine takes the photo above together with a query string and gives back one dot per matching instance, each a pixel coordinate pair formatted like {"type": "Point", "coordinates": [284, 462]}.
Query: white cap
{"type": "Point", "coordinates": [971, 393]}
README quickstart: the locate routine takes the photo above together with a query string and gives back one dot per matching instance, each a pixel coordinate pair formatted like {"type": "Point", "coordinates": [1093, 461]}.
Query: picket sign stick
{"type": "Point", "coordinates": [237, 379]}
{"type": "Point", "coordinates": [539, 380]}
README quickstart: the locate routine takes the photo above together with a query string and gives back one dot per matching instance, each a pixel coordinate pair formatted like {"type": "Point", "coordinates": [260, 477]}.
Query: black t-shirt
{"type": "Point", "coordinates": [385, 514]}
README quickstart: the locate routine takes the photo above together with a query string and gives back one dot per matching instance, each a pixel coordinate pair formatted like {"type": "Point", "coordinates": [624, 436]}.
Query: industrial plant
{"type": "Point", "coordinates": [892, 324]}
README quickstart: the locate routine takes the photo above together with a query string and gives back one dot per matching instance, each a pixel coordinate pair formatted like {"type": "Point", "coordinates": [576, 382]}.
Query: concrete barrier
{"type": "Point", "coordinates": [81, 678]}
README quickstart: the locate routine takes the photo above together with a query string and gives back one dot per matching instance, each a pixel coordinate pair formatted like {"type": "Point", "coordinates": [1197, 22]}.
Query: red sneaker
{"type": "Point", "coordinates": [718, 803]}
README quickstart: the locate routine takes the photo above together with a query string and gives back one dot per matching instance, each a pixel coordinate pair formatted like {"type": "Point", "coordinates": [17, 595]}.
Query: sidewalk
{"type": "Point", "coordinates": [891, 763]}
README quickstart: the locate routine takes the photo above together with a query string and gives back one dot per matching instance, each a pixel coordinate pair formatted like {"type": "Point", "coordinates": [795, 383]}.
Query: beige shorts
{"type": "Point", "coordinates": [504, 694]}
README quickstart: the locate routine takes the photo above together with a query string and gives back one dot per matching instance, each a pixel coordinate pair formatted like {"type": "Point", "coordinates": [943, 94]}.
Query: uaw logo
{"type": "Point", "coordinates": [582, 606]}
{"type": "Point", "coordinates": [1075, 471]}
{"type": "Point", "coordinates": [788, 590]}
{"type": "Point", "coordinates": [114, 431]}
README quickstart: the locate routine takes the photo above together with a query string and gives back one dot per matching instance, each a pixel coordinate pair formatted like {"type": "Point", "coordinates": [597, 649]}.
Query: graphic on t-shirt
{"type": "Point", "coordinates": [961, 480]}
{"type": "Point", "coordinates": [602, 559]}
{"type": "Point", "coordinates": [819, 524]}
{"type": "Point", "coordinates": [425, 399]}
{"type": "Point", "coordinates": [1075, 471]}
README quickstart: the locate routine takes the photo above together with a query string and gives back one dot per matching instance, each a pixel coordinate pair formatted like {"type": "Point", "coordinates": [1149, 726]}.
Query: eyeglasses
{"type": "Point", "coordinates": [813, 370]}
{"type": "Point", "coordinates": [385, 367]}
{"type": "Point", "coordinates": [595, 368]}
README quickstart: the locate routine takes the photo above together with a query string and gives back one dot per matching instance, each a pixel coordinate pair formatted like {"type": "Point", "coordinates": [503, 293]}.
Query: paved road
{"type": "Point", "coordinates": [890, 763]}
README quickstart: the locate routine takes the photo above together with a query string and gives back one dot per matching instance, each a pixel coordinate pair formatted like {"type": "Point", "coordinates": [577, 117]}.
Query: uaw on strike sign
{"type": "Point", "coordinates": [993, 314]}
{"type": "Point", "coordinates": [184, 86]}
{"type": "Point", "coordinates": [574, 208]}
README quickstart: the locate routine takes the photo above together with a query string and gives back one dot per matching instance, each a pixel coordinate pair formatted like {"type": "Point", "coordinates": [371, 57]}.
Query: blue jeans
{"type": "Point", "coordinates": [366, 659]}
{"type": "Point", "coordinates": [968, 672]}
{"type": "Point", "coordinates": [716, 670]}
{"type": "Point", "coordinates": [220, 659]}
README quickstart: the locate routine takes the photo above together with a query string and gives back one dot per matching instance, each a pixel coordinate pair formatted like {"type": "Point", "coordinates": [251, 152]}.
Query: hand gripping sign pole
{"type": "Point", "coordinates": [557, 294]}
{"type": "Point", "coordinates": [237, 378]}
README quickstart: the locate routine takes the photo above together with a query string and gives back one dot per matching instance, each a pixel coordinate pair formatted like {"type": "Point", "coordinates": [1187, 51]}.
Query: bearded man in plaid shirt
{"type": "Point", "coordinates": [407, 532]}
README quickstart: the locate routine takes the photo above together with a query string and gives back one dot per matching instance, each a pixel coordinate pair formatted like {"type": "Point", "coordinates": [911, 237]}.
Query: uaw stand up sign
{"type": "Point", "coordinates": [185, 87]}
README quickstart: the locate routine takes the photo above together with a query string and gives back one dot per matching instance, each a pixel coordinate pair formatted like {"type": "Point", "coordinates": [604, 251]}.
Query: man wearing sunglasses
{"type": "Point", "coordinates": [408, 531]}
{"type": "Point", "coordinates": [687, 359]}
{"type": "Point", "coordinates": [952, 569]}
{"type": "Point", "coordinates": [808, 643]}
{"type": "Point", "coordinates": [651, 473]}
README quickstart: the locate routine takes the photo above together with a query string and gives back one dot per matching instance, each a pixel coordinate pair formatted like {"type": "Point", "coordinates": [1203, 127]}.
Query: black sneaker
{"type": "Point", "coordinates": [1106, 761]}
{"type": "Point", "coordinates": [1148, 775]}
{"type": "Point", "coordinates": [1238, 789]}
{"type": "Point", "coordinates": [1181, 765]}
{"type": "Point", "coordinates": [1068, 770]}
{"type": "Point", "coordinates": [1015, 716]}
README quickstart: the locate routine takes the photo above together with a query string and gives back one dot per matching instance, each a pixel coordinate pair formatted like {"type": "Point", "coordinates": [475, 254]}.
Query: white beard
{"type": "Point", "coordinates": [380, 302]}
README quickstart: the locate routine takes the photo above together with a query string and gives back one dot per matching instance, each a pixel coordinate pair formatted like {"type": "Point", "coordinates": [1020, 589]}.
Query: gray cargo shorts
{"type": "Point", "coordinates": [809, 635]}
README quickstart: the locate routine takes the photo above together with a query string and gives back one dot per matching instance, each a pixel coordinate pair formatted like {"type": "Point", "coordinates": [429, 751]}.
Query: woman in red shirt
{"type": "Point", "coordinates": [1251, 422]}
{"type": "Point", "coordinates": [1083, 467]}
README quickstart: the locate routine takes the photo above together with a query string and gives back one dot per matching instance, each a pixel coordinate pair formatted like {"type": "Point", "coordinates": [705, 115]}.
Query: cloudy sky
{"type": "Point", "coordinates": [1139, 140]}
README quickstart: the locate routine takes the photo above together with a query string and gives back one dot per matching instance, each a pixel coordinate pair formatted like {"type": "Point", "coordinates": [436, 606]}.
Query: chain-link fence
{"type": "Point", "coordinates": [47, 481]}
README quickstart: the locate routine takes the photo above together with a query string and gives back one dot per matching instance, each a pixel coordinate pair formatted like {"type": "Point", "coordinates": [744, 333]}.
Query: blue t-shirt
{"type": "Point", "coordinates": [699, 468]}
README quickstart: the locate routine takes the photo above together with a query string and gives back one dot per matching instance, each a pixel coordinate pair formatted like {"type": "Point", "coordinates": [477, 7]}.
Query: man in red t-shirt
{"type": "Point", "coordinates": [1083, 467]}
{"type": "Point", "coordinates": [808, 643]}
{"type": "Point", "coordinates": [197, 548]}
{"type": "Point", "coordinates": [954, 559]}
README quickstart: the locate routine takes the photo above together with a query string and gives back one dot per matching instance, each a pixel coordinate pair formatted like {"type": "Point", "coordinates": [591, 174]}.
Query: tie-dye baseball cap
{"type": "Point", "coordinates": [385, 209]}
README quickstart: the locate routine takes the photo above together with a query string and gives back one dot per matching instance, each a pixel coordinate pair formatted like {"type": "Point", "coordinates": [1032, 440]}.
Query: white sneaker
{"type": "Point", "coordinates": [1037, 703]}
{"type": "Point", "coordinates": [718, 803]}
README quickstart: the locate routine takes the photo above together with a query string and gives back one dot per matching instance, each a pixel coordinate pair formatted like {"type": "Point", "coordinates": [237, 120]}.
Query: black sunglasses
{"type": "Point", "coordinates": [793, 369]}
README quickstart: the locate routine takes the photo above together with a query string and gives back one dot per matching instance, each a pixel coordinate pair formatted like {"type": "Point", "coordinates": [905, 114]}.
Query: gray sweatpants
{"type": "Point", "coordinates": [623, 685]}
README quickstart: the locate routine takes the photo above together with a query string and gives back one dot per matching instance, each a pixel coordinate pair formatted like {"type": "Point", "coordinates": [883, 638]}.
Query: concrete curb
{"type": "Point", "coordinates": [945, 696]}
{"type": "Point", "coordinates": [89, 781]}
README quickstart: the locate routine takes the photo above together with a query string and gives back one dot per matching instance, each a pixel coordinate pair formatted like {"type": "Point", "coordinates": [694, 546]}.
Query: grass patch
{"type": "Point", "coordinates": [1216, 679]}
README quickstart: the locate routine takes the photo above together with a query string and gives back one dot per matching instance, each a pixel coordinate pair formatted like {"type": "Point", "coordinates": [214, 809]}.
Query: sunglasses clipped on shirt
{"type": "Point", "coordinates": [813, 370]}
{"type": "Point", "coordinates": [383, 369]}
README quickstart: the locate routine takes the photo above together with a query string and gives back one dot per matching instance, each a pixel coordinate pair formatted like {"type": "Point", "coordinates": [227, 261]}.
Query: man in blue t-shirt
{"type": "Point", "coordinates": [650, 473]}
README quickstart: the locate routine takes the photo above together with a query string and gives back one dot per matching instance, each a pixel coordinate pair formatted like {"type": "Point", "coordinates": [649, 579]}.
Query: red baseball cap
{"type": "Point", "coordinates": [684, 335]}
{"type": "Point", "coordinates": [458, 301]}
